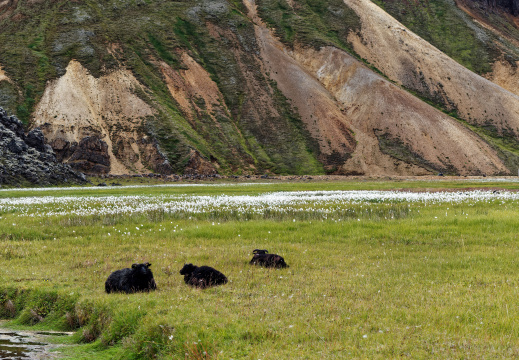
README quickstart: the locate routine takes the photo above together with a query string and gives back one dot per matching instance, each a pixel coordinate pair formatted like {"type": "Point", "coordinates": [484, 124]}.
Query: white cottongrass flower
{"type": "Point", "coordinates": [290, 202]}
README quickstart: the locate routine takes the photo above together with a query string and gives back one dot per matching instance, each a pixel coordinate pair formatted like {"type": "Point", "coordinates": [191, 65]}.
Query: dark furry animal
{"type": "Point", "coordinates": [138, 278]}
{"type": "Point", "coordinates": [202, 276]}
{"type": "Point", "coordinates": [263, 258]}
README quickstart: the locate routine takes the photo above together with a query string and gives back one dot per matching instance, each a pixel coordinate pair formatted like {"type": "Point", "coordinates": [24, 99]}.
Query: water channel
{"type": "Point", "coordinates": [27, 345]}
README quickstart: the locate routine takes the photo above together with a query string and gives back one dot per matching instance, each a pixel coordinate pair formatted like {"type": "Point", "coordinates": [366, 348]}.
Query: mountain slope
{"type": "Point", "coordinates": [107, 36]}
{"type": "Point", "coordinates": [480, 35]}
{"type": "Point", "coordinates": [223, 86]}
{"type": "Point", "coordinates": [77, 106]}
{"type": "Point", "coordinates": [412, 62]}
{"type": "Point", "coordinates": [378, 112]}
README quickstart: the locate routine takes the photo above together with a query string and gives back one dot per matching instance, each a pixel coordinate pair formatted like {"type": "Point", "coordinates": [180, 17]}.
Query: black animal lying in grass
{"type": "Point", "coordinates": [203, 276]}
{"type": "Point", "coordinates": [262, 258]}
{"type": "Point", "coordinates": [138, 278]}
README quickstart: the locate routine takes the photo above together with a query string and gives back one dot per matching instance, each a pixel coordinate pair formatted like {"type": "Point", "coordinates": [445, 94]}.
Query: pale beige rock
{"type": "Point", "coordinates": [78, 105]}
{"type": "Point", "coordinates": [505, 75]}
{"type": "Point", "coordinates": [3, 76]}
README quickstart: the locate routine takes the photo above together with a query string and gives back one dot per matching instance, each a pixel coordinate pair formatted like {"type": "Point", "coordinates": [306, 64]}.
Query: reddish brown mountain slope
{"type": "Point", "coordinates": [412, 62]}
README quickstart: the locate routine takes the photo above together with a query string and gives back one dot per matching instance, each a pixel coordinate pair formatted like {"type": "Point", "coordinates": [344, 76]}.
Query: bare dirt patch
{"type": "Point", "coordinates": [191, 86]}
{"type": "Point", "coordinates": [505, 75]}
{"type": "Point", "coordinates": [7, 7]}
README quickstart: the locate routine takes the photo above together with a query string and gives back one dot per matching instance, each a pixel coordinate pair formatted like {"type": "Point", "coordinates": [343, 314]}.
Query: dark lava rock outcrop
{"type": "Point", "coordinates": [197, 165]}
{"type": "Point", "coordinates": [26, 159]}
{"type": "Point", "coordinates": [91, 156]}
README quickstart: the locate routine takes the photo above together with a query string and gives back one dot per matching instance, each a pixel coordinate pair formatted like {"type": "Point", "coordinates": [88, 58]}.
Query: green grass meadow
{"type": "Point", "coordinates": [406, 280]}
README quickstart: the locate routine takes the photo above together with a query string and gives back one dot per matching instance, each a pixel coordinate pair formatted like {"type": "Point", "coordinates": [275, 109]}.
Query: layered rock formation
{"type": "Point", "coordinates": [396, 132]}
{"type": "Point", "coordinates": [412, 62]}
{"type": "Point", "coordinates": [26, 159]}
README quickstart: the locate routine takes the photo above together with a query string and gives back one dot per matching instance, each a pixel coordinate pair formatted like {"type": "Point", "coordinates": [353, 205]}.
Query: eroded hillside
{"type": "Point", "coordinates": [95, 125]}
{"type": "Point", "coordinates": [396, 133]}
{"type": "Point", "coordinates": [229, 87]}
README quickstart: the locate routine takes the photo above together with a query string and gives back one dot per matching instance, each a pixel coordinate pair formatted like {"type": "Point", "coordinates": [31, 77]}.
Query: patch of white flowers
{"type": "Point", "coordinates": [325, 202]}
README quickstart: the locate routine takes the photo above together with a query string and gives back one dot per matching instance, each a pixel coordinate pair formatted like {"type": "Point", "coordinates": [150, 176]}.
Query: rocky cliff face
{"type": "Point", "coordinates": [26, 159]}
{"type": "Point", "coordinates": [421, 67]}
{"type": "Point", "coordinates": [95, 125]}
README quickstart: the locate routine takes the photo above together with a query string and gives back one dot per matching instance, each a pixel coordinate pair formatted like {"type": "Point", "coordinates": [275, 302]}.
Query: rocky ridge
{"type": "Point", "coordinates": [26, 159]}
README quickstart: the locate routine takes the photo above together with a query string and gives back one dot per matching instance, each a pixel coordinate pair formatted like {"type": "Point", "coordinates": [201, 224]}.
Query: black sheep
{"type": "Point", "coordinates": [262, 258]}
{"type": "Point", "coordinates": [138, 278]}
{"type": "Point", "coordinates": [202, 276]}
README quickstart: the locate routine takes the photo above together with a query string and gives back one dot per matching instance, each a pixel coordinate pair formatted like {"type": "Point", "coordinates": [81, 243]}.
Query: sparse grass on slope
{"type": "Point", "coordinates": [440, 281]}
{"type": "Point", "coordinates": [310, 22]}
{"type": "Point", "coordinates": [451, 30]}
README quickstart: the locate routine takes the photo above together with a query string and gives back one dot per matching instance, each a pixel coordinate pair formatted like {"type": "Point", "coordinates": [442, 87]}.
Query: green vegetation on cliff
{"type": "Point", "coordinates": [310, 22]}
{"type": "Point", "coordinates": [255, 136]}
{"type": "Point", "coordinates": [249, 126]}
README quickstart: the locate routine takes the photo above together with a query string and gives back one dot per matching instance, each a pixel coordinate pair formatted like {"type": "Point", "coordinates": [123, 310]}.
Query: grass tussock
{"type": "Point", "coordinates": [439, 282]}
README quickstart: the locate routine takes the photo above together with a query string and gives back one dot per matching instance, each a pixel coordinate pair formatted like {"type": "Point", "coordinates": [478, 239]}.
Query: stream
{"type": "Point", "coordinates": [27, 345]}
